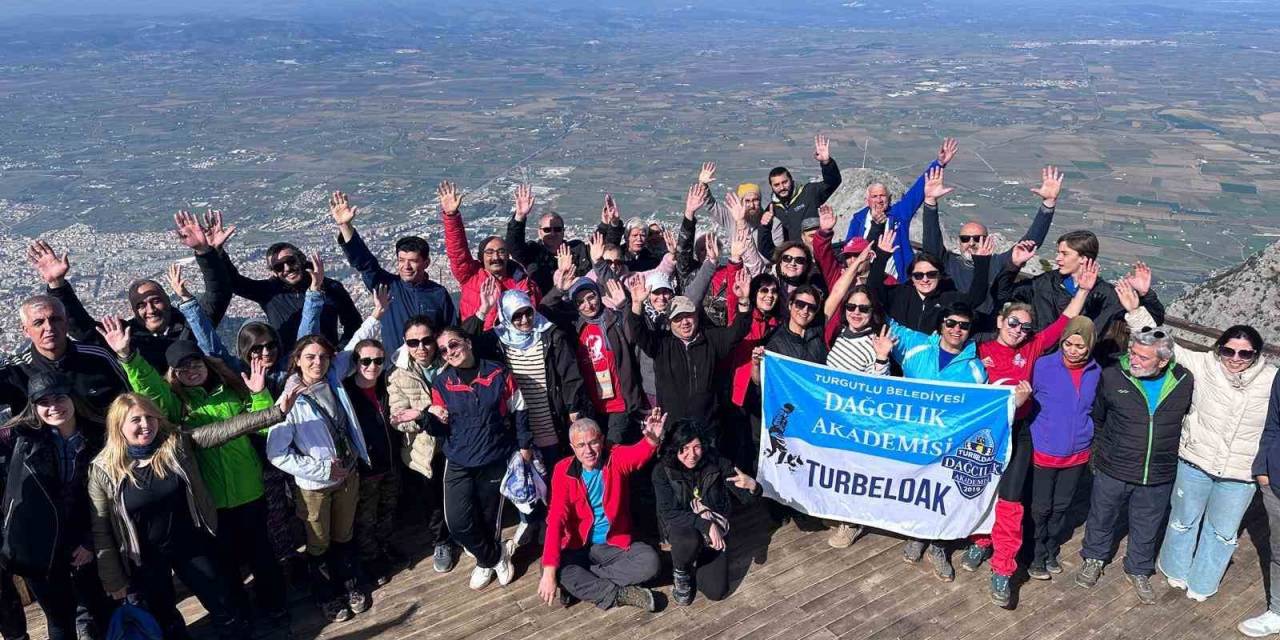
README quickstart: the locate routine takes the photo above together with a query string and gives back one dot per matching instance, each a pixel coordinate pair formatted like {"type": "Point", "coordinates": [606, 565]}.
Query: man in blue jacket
{"type": "Point", "coordinates": [882, 212]}
{"type": "Point", "coordinates": [412, 291]}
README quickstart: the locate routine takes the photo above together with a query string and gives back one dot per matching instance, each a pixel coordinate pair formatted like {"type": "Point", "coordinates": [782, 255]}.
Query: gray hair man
{"type": "Point", "coordinates": [96, 376]}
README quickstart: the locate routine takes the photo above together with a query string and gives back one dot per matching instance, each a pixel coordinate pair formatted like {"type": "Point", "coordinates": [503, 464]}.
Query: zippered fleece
{"type": "Point", "coordinates": [1132, 443]}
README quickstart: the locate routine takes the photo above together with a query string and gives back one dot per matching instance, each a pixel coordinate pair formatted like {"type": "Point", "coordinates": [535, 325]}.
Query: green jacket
{"type": "Point", "coordinates": [233, 471]}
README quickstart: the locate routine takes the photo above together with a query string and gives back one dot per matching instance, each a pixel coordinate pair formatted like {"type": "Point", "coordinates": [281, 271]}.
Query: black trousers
{"type": "Point", "coordinates": [13, 621]}
{"type": "Point", "coordinates": [434, 498]}
{"type": "Point", "coordinates": [472, 504]}
{"type": "Point", "coordinates": [72, 598]}
{"type": "Point", "coordinates": [1052, 491]}
{"type": "Point", "coordinates": [197, 568]}
{"type": "Point", "coordinates": [244, 538]}
{"type": "Point", "coordinates": [690, 553]}
{"type": "Point", "coordinates": [1148, 510]}
{"type": "Point", "coordinates": [1013, 482]}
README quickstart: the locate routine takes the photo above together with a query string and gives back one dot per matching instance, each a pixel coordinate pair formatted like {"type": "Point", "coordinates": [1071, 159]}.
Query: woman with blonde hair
{"type": "Point", "coordinates": [153, 516]}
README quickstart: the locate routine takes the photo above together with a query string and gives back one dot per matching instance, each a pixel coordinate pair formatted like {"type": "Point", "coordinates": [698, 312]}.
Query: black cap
{"type": "Point", "coordinates": [45, 384]}
{"type": "Point", "coordinates": [181, 350]}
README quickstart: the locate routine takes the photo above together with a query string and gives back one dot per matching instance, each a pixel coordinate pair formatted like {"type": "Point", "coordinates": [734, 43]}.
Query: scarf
{"type": "Point", "coordinates": [144, 451]}
{"type": "Point", "coordinates": [512, 302]}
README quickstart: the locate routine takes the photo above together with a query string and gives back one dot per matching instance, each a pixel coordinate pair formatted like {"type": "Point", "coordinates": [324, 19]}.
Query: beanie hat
{"type": "Point", "coordinates": [747, 187]}
{"type": "Point", "coordinates": [140, 290]}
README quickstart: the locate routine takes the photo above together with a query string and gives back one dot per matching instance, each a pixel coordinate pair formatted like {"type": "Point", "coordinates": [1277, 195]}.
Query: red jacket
{"type": "Point", "coordinates": [739, 363]}
{"type": "Point", "coordinates": [470, 273]}
{"type": "Point", "coordinates": [569, 518]}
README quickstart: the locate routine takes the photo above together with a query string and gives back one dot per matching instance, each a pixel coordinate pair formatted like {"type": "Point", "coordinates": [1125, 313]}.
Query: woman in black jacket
{"type": "Point", "coordinates": [47, 538]}
{"type": "Point", "coordinates": [916, 301]}
{"type": "Point", "coordinates": [693, 484]}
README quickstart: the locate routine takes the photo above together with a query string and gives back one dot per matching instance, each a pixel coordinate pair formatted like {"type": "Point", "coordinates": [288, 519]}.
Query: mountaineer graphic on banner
{"type": "Point", "coordinates": [914, 457]}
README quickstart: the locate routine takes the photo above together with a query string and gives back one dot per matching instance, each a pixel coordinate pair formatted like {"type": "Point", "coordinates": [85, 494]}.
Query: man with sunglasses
{"type": "Point", "coordinates": [916, 302]}
{"type": "Point", "coordinates": [959, 264]}
{"type": "Point", "coordinates": [412, 291]}
{"type": "Point", "coordinates": [1138, 417]}
{"type": "Point", "coordinates": [539, 257]}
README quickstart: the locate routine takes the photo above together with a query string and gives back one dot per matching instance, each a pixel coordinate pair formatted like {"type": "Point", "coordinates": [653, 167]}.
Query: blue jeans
{"type": "Point", "coordinates": [1204, 518]}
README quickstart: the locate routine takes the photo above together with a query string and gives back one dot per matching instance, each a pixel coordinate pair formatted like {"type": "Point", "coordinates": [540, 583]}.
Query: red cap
{"type": "Point", "coordinates": [855, 246]}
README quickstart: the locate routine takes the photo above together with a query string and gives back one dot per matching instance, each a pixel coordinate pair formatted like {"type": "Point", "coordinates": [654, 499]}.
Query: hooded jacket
{"type": "Point", "coordinates": [1131, 443]}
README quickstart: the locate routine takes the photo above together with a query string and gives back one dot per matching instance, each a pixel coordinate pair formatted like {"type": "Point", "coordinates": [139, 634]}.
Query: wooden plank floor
{"type": "Point", "coordinates": [790, 584]}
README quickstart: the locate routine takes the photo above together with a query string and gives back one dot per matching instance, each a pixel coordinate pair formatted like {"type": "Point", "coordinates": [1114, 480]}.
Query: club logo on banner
{"type": "Point", "coordinates": [915, 457]}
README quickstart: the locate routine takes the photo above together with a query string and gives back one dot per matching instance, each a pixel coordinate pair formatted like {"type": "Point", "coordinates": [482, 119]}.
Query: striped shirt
{"type": "Point", "coordinates": [855, 353]}
{"type": "Point", "coordinates": [530, 369]}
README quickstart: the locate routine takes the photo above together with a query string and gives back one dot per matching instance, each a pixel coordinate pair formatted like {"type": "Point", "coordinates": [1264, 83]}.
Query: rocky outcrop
{"type": "Point", "coordinates": [1244, 294]}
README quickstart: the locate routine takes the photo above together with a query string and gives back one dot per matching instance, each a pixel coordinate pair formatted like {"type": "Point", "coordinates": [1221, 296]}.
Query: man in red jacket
{"type": "Point", "coordinates": [588, 537]}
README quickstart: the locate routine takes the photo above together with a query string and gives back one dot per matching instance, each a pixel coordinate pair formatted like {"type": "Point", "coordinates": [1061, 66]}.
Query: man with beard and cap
{"type": "Point", "coordinates": [539, 256]}
{"type": "Point", "coordinates": [883, 213]}
{"type": "Point", "coordinates": [792, 204]}
{"type": "Point", "coordinates": [412, 291]}
{"type": "Point", "coordinates": [740, 209]}
{"type": "Point", "coordinates": [492, 259]}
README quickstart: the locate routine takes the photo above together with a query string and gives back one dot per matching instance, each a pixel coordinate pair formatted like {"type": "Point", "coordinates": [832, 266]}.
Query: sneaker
{"type": "Point", "coordinates": [336, 610]}
{"type": "Point", "coordinates": [1195, 596]}
{"type": "Point", "coordinates": [525, 533]}
{"type": "Point", "coordinates": [682, 587]}
{"type": "Point", "coordinates": [973, 557]}
{"type": "Point", "coordinates": [1053, 566]}
{"type": "Point", "coordinates": [941, 563]}
{"type": "Point", "coordinates": [1089, 573]}
{"type": "Point", "coordinates": [1001, 594]}
{"type": "Point", "coordinates": [913, 550]}
{"type": "Point", "coordinates": [1264, 625]}
{"type": "Point", "coordinates": [480, 577]}
{"type": "Point", "coordinates": [1142, 587]}
{"type": "Point", "coordinates": [843, 536]}
{"type": "Point", "coordinates": [1176, 583]}
{"type": "Point", "coordinates": [444, 558]}
{"type": "Point", "coordinates": [638, 597]}
{"type": "Point", "coordinates": [506, 572]}
{"type": "Point", "coordinates": [1038, 571]}
{"type": "Point", "coordinates": [357, 600]}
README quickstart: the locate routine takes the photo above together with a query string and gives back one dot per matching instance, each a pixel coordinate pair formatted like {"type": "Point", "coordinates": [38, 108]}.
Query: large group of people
{"type": "Point", "coordinates": [595, 385]}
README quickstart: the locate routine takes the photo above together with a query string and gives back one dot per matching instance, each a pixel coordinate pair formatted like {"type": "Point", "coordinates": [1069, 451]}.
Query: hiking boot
{"type": "Point", "coordinates": [1001, 593]}
{"type": "Point", "coordinates": [638, 597]}
{"type": "Point", "coordinates": [1053, 566]}
{"type": "Point", "coordinates": [1142, 587]}
{"type": "Point", "coordinates": [913, 550]}
{"type": "Point", "coordinates": [357, 599]}
{"type": "Point", "coordinates": [682, 587]}
{"type": "Point", "coordinates": [941, 563]}
{"type": "Point", "coordinates": [843, 535]}
{"type": "Point", "coordinates": [336, 610]}
{"type": "Point", "coordinates": [506, 573]}
{"type": "Point", "coordinates": [480, 578]}
{"type": "Point", "coordinates": [444, 558]}
{"type": "Point", "coordinates": [1261, 626]}
{"type": "Point", "coordinates": [1038, 571]}
{"type": "Point", "coordinates": [1089, 573]}
{"type": "Point", "coordinates": [974, 556]}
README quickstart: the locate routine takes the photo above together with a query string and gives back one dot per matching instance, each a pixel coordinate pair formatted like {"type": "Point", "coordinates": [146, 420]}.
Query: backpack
{"type": "Point", "coordinates": [132, 622]}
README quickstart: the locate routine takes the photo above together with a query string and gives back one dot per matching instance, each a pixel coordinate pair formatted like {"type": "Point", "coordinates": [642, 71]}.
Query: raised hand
{"type": "Point", "coordinates": [381, 300]}
{"type": "Point", "coordinates": [1140, 279]}
{"type": "Point", "coordinates": [1128, 297]}
{"type": "Point", "coordinates": [524, 201]}
{"type": "Point", "coordinates": [52, 268]}
{"type": "Point", "coordinates": [596, 246]}
{"type": "Point", "coordinates": [986, 247]}
{"type": "Point", "coordinates": [256, 380]}
{"type": "Point", "coordinates": [341, 210]}
{"type": "Point", "coordinates": [565, 269]}
{"type": "Point", "coordinates": [742, 480]}
{"type": "Point", "coordinates": [609, 214]}
{"type": "Point", "coordinates": [821, 149]}
{"type": "Point", "coordinates": [708, 173]}
{"type": "Point", "coordinates": [1050, 186]}
{"type": "Point", "coordinates": [316, 271]}
{"type": "Point", "coordinates": [615, 295]}
{"type": "Point", "coordinates": [934, 187]}
{"type": "Point", "coordinates": [888, 241]}
{"type": "Point", "coordinates": [947, 151]}
{"type": "Point", "coordinates": [855, 262]}
{"type": "Point", "coordinates": [742, 287]}
{"type": "Point", "coordinates": [766, 217]}
{"type": "Point", "coordinates": [117, 335]}
{"type": "Point", "coordinates": [1087, 276]}
{"type": "Point", "coordinates": [712, 244]}
{"type": "Point", "coordinates": [177, 282]}
{"type": "Point", "coordinates": [669, 239]}
{"type": "Point", "coordinates": [639, 288]}
{"type": "Point", "coordinates": [826, 218]}
{"type": "Point", "coordinates": [1023, 252]}
{"type": "Point", "coordinates": [653, 424]}
{"type": "Point", "coordinates": [214, 232]}
{"type": "Point", "coordinates": [694, 199]}
{"type": "Point", "coordinates": [741, 242]}
{"type": "Point", "coordinates": [450, 197]}
{"type": "Point", "coordinates": [190, 233]}
{"type": "Point", "coordinates": [488, 296]}
{"type": "Point", "coordinates": [737, 209]}
{"type": "Point", "coordinates": [883, 343]}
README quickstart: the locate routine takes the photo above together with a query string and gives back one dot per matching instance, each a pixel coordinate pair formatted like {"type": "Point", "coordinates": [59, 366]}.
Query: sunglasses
{"type": "Point", "coordinates": [925, 275]}
{"type": "Point", "coordinates": [860, 308]}
{"type": "Point", "coordinates": [951, 324]}
{"type": "Point", "coordinates": [553, 229]}
{"type": "Point", "coordinates": [523, 314]}
{"type": "Point", "coordinates": [259, 349]}
{"type": "Point", "coordinates": [1243, 354]}
{"type": "Point", "coordinates": [1158, 334]}
{"type": "Point", "coordinates": [616, 262]}
{"type": "Point", "coordinates": [582, 299]}
{"type": "Point", "coordinates": [798, 260]}
{"type": "Point", "coordinates": [804, 306]}
{"type": "Point", "coordinates": [366, 362]}
{"type": "Point", "coordinates": [286, 264]}
{"type": "Point", "coordinates": [453, 345]}
{"type": "Point", "coordinates": [771, 291]}
{"type": "Point", "coordinates": [1014, 323]}
{"type": "Point", "coordinates": [964, 238]}
{"type": "Point", "coordinates": [414, 343]}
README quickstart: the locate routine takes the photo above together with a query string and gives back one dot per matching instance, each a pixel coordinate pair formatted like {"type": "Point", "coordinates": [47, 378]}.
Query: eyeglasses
{"type": "Point", "coordinates": [290, 263]}
{"type": "Point", "coordinates": [589, 296]}
{"type": "Point", "coordinates": [454, 345]}
{"type": "Point", "coordinates": [768, 291]}
{"type": "Point", "coordinates": [1158, 334]}
{"type": "Point", "coordinates": [804, 306]}
{"type": "Point", "coordinates": [523, 314]}
{"type": "Point", "coordinates": [1016, 324]}
{"type": "Point", "coordinates": [925, 275]}
{"type": "Point", "coordinates": [616, 262]}
{"type": "Point", "coordinates": [1243, 354]}
{"type": "Point", "coordinates": [797, 260]}
{"type": "Point", "coordinates": [259, 349]}
{"type": "Point", "coordinates": [951, 324]}
{"type": "Point", "coordinates": [366, 362]}
{"type": "Point", "coordinates": [860, 308]}
{"type": "Point", "coordinates": [553, 229]}
{"type": "Point", "coordinates": [964, 238]}
{"type": "Point", "coordinates": [414, 343]}
{"type": "Point", "coordinates": [499, 253]}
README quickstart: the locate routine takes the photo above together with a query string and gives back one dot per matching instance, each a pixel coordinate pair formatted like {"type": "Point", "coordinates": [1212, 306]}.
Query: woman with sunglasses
{"type": "Point", "coordinates": [366, 386]}
{"type": "Point", "coordinates": [1220, 440]}
{"type": "Point", "coordinates": [199, 390]}
{"type": "Point", "coordinates": [1009, 358]}
{"type": "Point", "coordinates": [915, 304]}
{"type": "Point", "coordinates": [763, 295]}
{"type": "Point", "coordinates": [793, 266]}
{"type": "Point", "coordinates": [801, 336]}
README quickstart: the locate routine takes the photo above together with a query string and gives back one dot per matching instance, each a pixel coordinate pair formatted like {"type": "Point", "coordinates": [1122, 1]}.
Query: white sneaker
{"type": "Point", "coordinates": [1266, 624]}
{"type": "Point", "coordinates": [1176, 583]}
{"type": "Point", "coordinates": [524, 533]}
{"type": "Point", "coordinates": [1195, 596]}
{"type": "Point", "coordinates": [506, 572]}
{"type": "Point", "coordinates": [480, 577]}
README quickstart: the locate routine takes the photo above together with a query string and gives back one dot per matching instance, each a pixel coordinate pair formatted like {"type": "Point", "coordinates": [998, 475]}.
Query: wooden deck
{"type": "Point", "coordinates": [790, 584]}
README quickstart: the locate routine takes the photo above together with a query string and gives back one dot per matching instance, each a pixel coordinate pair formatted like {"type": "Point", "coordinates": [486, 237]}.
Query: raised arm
{"type": "Point", "coordinates": [1049, 190]}
{"type": "Point", "coordinates": [370, 329]}
{"type": "Point", "coordinates": [831, 178]}
{"type": "Point", "coordinates": [353, 246]}
{"type": "Point", "coordinates": [905, 209]}
{"type": "Point", "coordinates": [978, 289]}
{"type": "Point", "coordinates": [53, 269]}
{"type": "Point", "coordinates": [823, 254]}
{"type": "Point", "coordinates": [697, 288]}
{"type": "Point", "coordinates": [461, 262]}
{"type": "Point", "coordinates": [518, 226]}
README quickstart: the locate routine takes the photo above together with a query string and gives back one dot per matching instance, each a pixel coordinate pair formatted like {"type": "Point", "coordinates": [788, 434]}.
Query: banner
{"type": "Point", "coordinates": [914, 457]}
